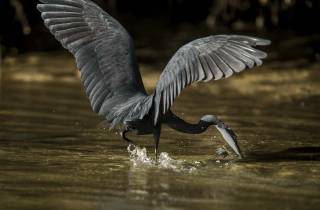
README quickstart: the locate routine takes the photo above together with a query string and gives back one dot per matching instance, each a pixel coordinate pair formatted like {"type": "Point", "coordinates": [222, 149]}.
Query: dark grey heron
{"type": "Point", "coordinates": [105, 56]}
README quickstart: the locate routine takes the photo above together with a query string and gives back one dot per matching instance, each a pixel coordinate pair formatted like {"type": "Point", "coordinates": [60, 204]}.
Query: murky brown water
{"type": "Point", "coordinates": [54, 155]}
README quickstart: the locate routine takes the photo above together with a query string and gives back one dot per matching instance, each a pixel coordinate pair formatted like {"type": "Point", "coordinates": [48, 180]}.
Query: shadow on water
{"type": "Point", "coordinates": [292, 154]}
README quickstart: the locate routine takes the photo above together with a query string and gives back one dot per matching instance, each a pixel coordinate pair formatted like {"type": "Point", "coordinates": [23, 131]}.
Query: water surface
{"type": "Point", "coordinates": [54, 154]}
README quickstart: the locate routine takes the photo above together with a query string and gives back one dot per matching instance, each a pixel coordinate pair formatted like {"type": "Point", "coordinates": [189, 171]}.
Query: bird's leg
{"type": "Point", "coordinates": [156, 136]}
{"type": "Point", "coordinates": [123, 134]}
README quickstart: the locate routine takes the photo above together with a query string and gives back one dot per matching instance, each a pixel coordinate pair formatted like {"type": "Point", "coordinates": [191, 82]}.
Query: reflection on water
{"type": "Point", "coordinates": [53, 154]}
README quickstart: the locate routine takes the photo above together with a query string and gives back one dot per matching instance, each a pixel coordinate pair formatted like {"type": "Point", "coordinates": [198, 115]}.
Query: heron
{"type": "Point", "coordinates": [105, 56]}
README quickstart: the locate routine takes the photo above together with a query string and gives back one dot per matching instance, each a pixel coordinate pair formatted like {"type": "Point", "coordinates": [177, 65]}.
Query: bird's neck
{"type": "Point", "coordinates": [180, 125]}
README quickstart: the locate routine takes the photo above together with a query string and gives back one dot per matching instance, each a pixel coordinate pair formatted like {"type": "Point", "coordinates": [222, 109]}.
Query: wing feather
{"type": "Point", "coordinates": [206, 59]}
{"type": "Point", "coordinates": [104, 55]}
{"type": "Point", "coordinates": [235, 53]}
{"type": "Point", "coordinates": [227, 71]}
{"type": "Point", "coordinates": [206, 68]}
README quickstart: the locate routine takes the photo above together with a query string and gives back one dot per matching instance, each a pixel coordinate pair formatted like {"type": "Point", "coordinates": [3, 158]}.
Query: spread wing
{"type": "Point", "coordinates": [104, 55]}
{"type": "Point", "coordinates": [210, 58]}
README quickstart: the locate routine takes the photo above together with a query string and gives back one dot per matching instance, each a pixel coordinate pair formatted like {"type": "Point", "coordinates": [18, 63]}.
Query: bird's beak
{"type": "Point", "coordinates": [231, 138]}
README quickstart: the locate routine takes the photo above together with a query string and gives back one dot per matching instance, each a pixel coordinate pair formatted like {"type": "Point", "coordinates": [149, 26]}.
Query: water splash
{"type": "Point", "coordinates": [139, 157]}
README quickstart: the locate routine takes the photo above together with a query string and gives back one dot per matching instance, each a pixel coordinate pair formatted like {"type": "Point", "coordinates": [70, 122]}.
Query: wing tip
{"type": "Point", "coordinates": [250, 40]}
{"type": "Point", "coordinates": [263, 42]}
{"type": "Point", "coordinates": [40, 7]}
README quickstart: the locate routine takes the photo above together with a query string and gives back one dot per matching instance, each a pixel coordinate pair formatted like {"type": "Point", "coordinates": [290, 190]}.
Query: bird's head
{"type": "Point", "coordinates": [209, 120]}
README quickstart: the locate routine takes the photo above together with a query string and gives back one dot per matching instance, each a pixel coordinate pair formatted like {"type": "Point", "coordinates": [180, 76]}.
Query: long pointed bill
{"type": "Point", "coordinates": [230, 137]}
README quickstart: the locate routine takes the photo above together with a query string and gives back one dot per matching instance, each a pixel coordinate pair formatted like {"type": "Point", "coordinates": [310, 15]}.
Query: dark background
{"type": "Point", "coordinates": [158, 23]}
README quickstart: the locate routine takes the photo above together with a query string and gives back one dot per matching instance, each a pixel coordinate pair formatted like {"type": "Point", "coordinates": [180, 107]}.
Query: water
{"type": "Point", "coordinates": [55, 155]}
